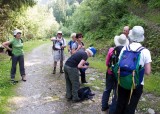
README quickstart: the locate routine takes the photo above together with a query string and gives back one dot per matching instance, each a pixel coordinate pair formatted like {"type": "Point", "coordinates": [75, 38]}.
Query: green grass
{"type": "Point", "coordinates": [6, 88]}
{"type": "Point", "coordinates": [98, 64]}
{"type": "Point", "coordinates": [152, 84]}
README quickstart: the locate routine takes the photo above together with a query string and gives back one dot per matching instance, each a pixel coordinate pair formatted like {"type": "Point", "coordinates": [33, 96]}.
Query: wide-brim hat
{"type": "Point", "coordinates": [121, 40]}
{"type": "Point", "coordinates": [92, 51]}
{"type": "Point", "coordinates": [59, 32]}
{"type": "Point", "coordinates": [16, 31]}
{"type": "Point", "coordinates": [136, 34]}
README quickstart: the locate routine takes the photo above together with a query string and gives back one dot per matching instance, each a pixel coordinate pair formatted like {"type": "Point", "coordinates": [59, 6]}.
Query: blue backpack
{"type": "Point", "coordinates": [128, 71]}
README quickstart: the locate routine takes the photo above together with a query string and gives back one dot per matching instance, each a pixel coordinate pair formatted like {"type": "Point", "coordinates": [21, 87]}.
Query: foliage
{"type": "Point", "coordinates": [154, 3]}
{"type": "Point", "coordinates": [7, 7]}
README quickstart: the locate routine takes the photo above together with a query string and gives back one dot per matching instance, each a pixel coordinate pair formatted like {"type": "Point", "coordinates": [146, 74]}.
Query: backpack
{"type": "Point", "coordinates": [54, 43]}
{"type": "Point", "coordinates": [114, 57]}
{"type": "Point", "coordinates": [128, 72]}
{"type": "Point", "coordinates": [85, 93]}
{"type": "Point", "coordinates": [9, 52]}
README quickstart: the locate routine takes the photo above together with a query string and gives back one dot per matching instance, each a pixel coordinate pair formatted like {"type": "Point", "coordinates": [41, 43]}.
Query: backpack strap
{"type": "Point", "coordinates": [140, 49]}
{"type": "Point", "coordinates": [128, 48]}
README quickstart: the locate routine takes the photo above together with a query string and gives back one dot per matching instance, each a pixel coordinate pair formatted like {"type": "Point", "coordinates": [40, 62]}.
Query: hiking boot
{"type": "Point", "coordinates": [24, 78]}
{"type": "Point", "coordinates": [84, 82]}
{"type": "Point", "coordinates": [76, 101]}
{"type": "Point", "coordinates": [61, 71]}
{"type": "Point", "coordinates": [54, 70]}
{"type": "Point", "coordinates": [14, 81]}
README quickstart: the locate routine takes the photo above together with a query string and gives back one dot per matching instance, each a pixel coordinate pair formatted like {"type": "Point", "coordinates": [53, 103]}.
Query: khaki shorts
{"type": "Point", "coordinates": [58, 55]}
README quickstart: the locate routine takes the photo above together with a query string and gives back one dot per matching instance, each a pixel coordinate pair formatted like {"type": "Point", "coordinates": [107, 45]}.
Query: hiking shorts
{"type": "Point", "coordinates": [58, 55]}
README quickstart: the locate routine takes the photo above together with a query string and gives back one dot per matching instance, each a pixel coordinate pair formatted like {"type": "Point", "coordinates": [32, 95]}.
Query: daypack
{"type": "Point", "coordinates": [128, 71]}
{"type": "Point", "coordinates": [114, 57]}
{"type": "Point", "coordinates": [9, 52]}
{"type": "Point", "coordinates": [85, 93]}
{"type": "Point", "coordinates": [54, 43]}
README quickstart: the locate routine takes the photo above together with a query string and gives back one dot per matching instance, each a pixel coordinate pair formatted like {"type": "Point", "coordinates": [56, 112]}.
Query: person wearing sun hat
{"type": "Point", "coordinates": [59, 45]}
{"type": "Point", "coordinates": [119, 42]}
{"type": "Point", "coordinates": [18, 54]}
{"type": "Point", "coordinates": [136, 35]}
{"type": "Point", "coordinates": [71, 71]}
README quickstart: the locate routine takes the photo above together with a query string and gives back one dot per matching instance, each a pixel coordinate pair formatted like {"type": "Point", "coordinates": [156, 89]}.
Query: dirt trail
{"type": "Point", "coordinates": [44, 93]}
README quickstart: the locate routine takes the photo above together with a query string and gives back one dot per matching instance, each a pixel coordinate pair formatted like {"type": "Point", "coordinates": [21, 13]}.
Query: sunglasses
{"type": "Point", "coordinates": [18, 33]}
{"type": "Point", "coordinates": [59, 34]}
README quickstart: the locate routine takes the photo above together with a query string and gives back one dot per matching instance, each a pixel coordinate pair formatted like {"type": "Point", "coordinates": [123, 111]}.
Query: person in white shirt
{"type": "Point", "coordinates": [136, 35]}
{"type": "Point", "coordinates": [59, 43]}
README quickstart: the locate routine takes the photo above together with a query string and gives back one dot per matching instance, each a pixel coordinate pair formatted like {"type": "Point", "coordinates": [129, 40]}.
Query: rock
{"type": "Point", "coordinates": [97, 88]}
{"type": "Point", "coordinates": [143, 99]}
{"type": "Point", "coordinates": [151, 111]}
{"type": "Point", "coordinates": [92, 79]}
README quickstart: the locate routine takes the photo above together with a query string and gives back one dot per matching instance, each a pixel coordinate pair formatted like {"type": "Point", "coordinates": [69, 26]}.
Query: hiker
{"type": "Point", "coordinates": [71, 42]}
{"type": "Point", "coordinates": [127, 102]}
{"type": "Point", "coordinates": [126, 31]}
{"type": "Point", "coordinates": [111, 83]}
{"type": "Point", "coordinates": [71, 67]}
{"type": "Point", "coordinates": [79, 46]}
{"type": "Point", "coordinates": [59, 43]}
{"type": "Point", "coordinates": [17, 54]}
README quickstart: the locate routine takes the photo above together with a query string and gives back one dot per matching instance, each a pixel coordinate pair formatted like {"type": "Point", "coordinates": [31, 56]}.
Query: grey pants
{"type": "Point", "coordinates": [15, 60]}
{"type": "Point", "coordinates": [72, 82]}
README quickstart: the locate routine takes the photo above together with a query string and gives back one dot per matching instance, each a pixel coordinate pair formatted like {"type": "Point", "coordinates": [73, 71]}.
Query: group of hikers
{"type": "Point", "coordinates": [118, 59]}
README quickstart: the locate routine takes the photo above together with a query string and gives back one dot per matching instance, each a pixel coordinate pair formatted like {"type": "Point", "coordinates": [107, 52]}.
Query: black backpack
{"type": "Point", "coordinates": [114, 57]}
{"type": "Point", "coordinates": [85, 93]}
{"type": "Point", "coordinates": [9, 51]}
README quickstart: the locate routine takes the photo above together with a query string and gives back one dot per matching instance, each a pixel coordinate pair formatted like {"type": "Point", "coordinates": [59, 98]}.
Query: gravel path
{"type": "Point", "coordinates": [44, 93]}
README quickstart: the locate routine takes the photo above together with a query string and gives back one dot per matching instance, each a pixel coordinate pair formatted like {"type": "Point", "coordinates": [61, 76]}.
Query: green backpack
{"type": "Point", "coordinates": [129, 73]}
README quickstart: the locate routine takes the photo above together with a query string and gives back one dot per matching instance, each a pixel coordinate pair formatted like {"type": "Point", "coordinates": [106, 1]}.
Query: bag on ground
{"type": "Point", "coordinates": [85, 93]}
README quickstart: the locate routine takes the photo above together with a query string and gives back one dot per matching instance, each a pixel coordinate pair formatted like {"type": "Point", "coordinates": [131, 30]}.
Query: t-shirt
{"type": "Point", "coordinates": [70, 43]}
{"type": "Point", "coordinates": [75, 46]}
{"type": "Point", "coordinates": [75, 59]}
{"type": "Point", "coordinates": [17, 46]}
{"type": "Point", "coordinates": [145, 56]}
{"type": "Point", "coordinates": [59, 43]}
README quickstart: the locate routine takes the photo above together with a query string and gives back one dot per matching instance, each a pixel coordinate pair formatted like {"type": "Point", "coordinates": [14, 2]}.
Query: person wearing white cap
{"type": "Point", "coordinates": [120, 42]}
{"type": "Point", "coordinates": [59, 43]}
{"type": "Point", "coordinates": [136, 36]}
{"type": "Point", "coordinates": [17, 54]}
{"type": "Point", "coordinates": [71, 67]}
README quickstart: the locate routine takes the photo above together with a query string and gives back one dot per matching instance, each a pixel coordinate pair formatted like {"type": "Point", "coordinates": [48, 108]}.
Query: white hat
{"type": "Point", "coordinates": [121, 40]}
{"type": "Point", "coordinates": [16, 31]}
{"type": "Point", "coordinates": [136, 34]}
{"type": "Point", "coordinates": [59, 32]}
